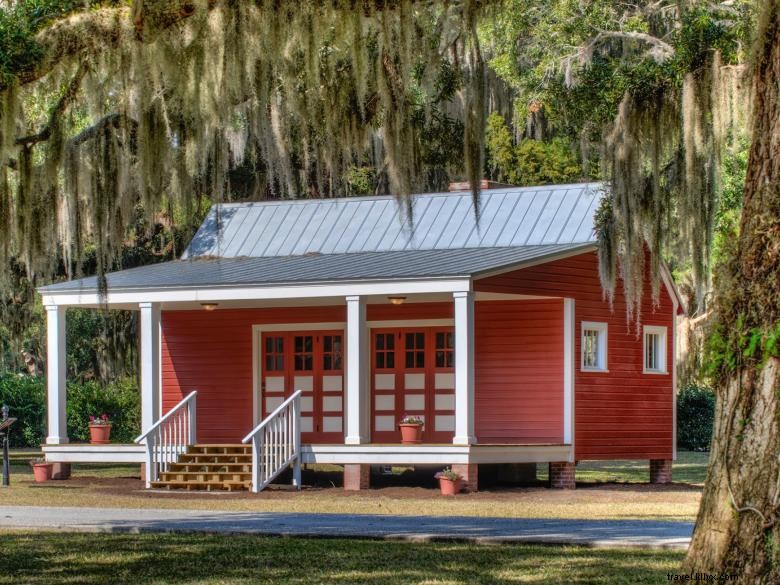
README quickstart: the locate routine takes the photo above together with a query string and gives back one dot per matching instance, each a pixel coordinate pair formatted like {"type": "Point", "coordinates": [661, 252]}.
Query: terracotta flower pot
{"type": "Point", "coordinates": [99, 434]}
{"type": "Point", "coordinates": [411, 434]}
{"type": "Point", "coordinates": [449, 487]}
{"type": "Point", "coordinates": [42, 472]}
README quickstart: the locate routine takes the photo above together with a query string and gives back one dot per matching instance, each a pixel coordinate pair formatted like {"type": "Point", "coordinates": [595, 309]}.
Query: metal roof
{"type": "Point", "coordinates": [320, 268]}
{"type": "Point", "coordinates": [515, 216]}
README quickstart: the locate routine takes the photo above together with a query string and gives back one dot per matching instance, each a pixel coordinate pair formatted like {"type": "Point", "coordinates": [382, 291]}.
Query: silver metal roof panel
{"type": "Point", "coordinates": [319, 268]}
{"type": "Point", "coordinates": [514, 216]}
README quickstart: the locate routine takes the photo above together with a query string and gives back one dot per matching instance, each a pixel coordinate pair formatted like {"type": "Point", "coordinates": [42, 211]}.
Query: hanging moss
{"type": "Point", "coordinates": [661, 157]}
{"type": "Point", "coordinates": [157, 104]}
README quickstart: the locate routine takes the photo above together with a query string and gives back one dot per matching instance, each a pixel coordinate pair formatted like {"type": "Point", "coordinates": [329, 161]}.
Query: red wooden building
{"type": "Point", "coordinates": [309, 328]}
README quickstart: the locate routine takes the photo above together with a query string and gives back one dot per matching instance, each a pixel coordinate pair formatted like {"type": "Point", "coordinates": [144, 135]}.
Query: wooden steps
{"type": "Point", "coordinates": [210, 468]}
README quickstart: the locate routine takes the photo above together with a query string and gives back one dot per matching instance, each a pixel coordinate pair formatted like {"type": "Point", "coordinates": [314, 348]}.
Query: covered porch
{"type": "Point", "coordinates": [223, 343]}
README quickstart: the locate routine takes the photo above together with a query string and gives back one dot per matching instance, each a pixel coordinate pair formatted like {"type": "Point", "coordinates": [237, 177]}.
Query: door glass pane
{"type": "Point", "coordinates": [384, 344]}
{"type": "Point", "coordinates": [415, 350]}
{"type": "Point", "coordinates": [444, 349]}
{"type": "Point", "coordinates": [331, 352]}
{"type": "Point", "coordinates": [274, 353]}
{"type": "Point", "coordinates": [304, 357]}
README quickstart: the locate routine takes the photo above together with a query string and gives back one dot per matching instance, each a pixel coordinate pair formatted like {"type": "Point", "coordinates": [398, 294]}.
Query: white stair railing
{"type": "Point", "coordinates": [276, 444]}
{"type": "Point", "coordinates": [169, 437]}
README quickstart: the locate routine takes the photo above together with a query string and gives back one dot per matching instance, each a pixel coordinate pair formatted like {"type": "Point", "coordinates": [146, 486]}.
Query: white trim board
{"type": "Point", "coordinates": [438, 454]}
{"type": "Point", "coordinates": [216, 293]}
{"type": "Point", "coordinates": [87, 453]}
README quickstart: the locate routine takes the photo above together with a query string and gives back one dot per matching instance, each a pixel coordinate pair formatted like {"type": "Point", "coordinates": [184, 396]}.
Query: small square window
{"type": "Point", "coordinates": [594, 347]}
{"type": "Point", "coordinates": [654, 350]}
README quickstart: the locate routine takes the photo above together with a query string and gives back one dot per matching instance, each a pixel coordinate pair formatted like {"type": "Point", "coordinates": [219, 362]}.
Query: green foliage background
{"type": "Point", "coordinates": [695, 418]}
{"type": "Point", "coordinates": [26, 399]}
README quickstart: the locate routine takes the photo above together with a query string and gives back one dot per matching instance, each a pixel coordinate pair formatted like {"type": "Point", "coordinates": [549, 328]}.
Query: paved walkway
{"type": "Point", "coordinates": [603, 533]}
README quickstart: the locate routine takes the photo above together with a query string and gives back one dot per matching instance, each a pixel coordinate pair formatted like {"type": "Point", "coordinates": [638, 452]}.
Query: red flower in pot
{"type": "Point", "coordinates": [411, 430]}
{"type": "Point", "coordinates": [99, 429]}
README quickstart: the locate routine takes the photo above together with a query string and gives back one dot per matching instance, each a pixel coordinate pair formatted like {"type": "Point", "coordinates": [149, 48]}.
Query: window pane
{"type": "Point", "coordinates": [380, 359]}
{"type": "Point", "coordinates": [269, 344]}
{"type": "Point", "coordinates": [590, 348]}
{"type": "Point", "coordinates": [440, 359]}
{"type": "Point", "coordinates": [390, 360]}
{"type": "Point", "coordinates": [420, 340]}
{"type": "Point", "coordinates": [420, 359]}
{"type": "Point", "coordinates": [652, 351]}
{"type": "Point", "coordinates": [439, 340]}
{"type": "Point", "coordinates": [448, 361]}
{"type": "Point", "coordinates": [327, 362]}
{"type": "Point", "coordinates": [410, 341]}
{"type": "Point", "coordinates": [327, 342]}
{"type": "Point", "coordinates": [409, 359]}
{"type": "Point", "coordinates": [380, 341]}
{"type": "Point", "coordinates": [298, 344]}
{"type": "Point", "coordinates": [269, 362]}
{"type": "Point", "coordinates": [279, 362]}
{"type": "Point", "coordinates": [390, 341]}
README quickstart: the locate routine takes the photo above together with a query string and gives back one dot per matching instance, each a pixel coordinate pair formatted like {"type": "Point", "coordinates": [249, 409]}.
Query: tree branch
{"type": "Point", "coordinates": [114, 120]}
{"type": "Point", "coordinates": [660, 50]}
{"type": "Point", "coordinates": [65, 99]}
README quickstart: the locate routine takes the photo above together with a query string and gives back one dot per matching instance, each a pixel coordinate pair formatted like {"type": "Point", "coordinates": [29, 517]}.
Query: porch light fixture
{"type": "Point", "coordinates": [396, 300]}
{"type": "Point", "coordinates": [209, 306]}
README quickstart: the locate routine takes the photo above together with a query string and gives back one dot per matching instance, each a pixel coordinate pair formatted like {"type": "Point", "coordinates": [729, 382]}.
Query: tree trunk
{"type": "Point", "coordinates": [738, 527]}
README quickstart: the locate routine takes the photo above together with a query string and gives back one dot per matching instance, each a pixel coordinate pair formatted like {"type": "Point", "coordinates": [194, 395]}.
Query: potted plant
{"type": "Point", "coordinates": [411, 430]}
{"type": "Point", "coordinates": [449, 481]}
{"type": "Point", "coordinates": [99, 429]}
{"type": "Point", "coordinates": [41, 470]}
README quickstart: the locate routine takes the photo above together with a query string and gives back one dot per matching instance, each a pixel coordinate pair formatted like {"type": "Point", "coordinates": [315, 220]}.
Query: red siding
{"type": "Point", "coordinates": [519, 371]}
{"type": "Point", "coordinates": [211, 352]}
{"type": "Point", "coordinates": [623, 413]}
{"type": "Point", "coordinates": [410, 311]}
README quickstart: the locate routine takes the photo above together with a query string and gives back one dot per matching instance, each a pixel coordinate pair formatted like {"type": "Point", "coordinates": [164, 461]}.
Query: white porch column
{"type": "Point", "coordinates": [568, 372]}
{"type": "Point", "coordinates": [464, 368]}
{"type": "Point", "coordinates": [150, 364]}
{"type": "Point", "coordinates": [357, 399]}
{"type": "Point", "coordinates": [55, 375]}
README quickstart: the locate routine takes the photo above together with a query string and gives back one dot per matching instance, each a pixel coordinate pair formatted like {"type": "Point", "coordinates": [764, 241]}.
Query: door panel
{"type": "Point", "coordinates": [310, 361]}
{"type": "Point", "coordinates": [412, 373]}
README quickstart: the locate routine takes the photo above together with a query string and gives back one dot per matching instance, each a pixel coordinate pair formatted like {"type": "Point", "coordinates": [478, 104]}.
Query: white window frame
{"type": "Point", "coordinates": [602, 341]}
{"type": "Point", "coordinates": [663, 361]}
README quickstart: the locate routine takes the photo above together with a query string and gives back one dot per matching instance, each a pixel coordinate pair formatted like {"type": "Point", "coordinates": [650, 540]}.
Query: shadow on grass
{"type": "Point", "coordinates": [43, 558]}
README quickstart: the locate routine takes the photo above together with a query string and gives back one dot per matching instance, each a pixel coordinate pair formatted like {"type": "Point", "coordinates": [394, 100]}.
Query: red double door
{"type": "Point", "coordinates": [413, 373]}
{"type": "Point", "coordinates": [311, 361]}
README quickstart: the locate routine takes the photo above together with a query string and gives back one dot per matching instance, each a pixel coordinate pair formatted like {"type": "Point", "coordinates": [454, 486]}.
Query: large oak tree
{"type": "Point", "coordinates": [122, 105]}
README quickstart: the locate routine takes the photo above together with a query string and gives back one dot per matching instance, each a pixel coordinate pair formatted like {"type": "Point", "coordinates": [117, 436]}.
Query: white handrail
{"type": "Point", "coordinates": [276, 443]}
{"type": "Point", "coordinates": [170, 436]}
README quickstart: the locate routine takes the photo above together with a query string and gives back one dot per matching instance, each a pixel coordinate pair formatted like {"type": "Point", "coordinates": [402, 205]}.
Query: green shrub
{"type": "Point", "coordinates": [26, 399]}
{"type": "Point", "coordinates": [695, 418]}
{"type": "Point", "coordinates": [121, 401]}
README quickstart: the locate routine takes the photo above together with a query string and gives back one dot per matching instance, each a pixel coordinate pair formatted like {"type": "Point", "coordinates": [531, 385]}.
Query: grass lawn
{"type": "Point", "coordinates": [610, 490]}
{"type": "Point", "coordinates": [690, 467]}
{"type": "Point", "coordinates": [39, 558]}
